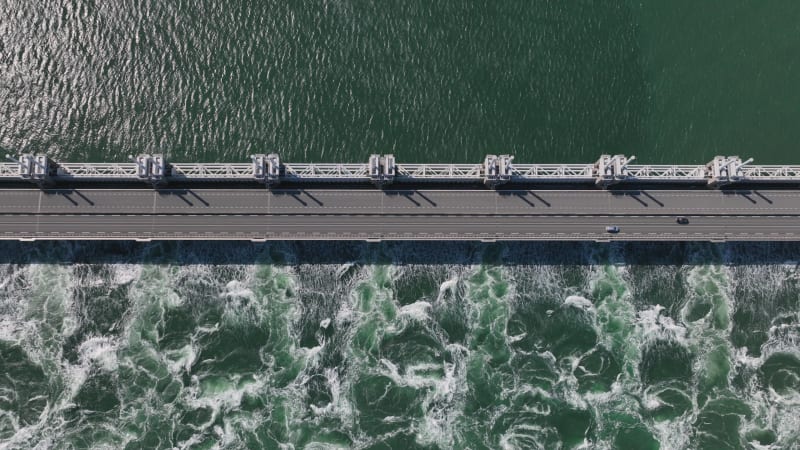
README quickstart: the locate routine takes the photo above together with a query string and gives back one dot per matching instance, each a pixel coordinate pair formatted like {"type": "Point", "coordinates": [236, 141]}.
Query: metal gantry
{"type": "Point", "coordinates": [382, 170]}
{"type": "Point", "coordinates": [325, 172]}
{"type": "Point", "coordinates": [776, 173]}
{"type": "Point", "coordinates": [554, 172]}
{"type": "Point", "coordinates": [665, 173]}
{"type": "Point", "coordinates": [212, 172]}
{"type": "Point", "coordinates": [439, 172]}
{"type": "Point", "coordinates": [9, 171]}
{"type": "Point", "coordinates": [100, 171]}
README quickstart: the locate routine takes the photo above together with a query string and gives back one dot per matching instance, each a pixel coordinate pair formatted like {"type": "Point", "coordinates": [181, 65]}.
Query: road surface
{"type": "Point", "coordinates": [361, 214]}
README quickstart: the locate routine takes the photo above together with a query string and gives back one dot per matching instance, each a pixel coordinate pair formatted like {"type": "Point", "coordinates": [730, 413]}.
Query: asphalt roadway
{"type": "Point", "coordinates": [398, 214]}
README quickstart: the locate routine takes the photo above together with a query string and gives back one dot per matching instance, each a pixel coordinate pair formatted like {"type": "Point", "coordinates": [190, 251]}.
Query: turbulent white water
{"type": "Point", "coordinates": [358, 346]}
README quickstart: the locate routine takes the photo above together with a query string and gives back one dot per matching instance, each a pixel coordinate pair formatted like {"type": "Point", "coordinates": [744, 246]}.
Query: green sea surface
{"type": "Point", "coordinates": [400, 345]}
{"type": "Point", "coordinates": [671, 82]}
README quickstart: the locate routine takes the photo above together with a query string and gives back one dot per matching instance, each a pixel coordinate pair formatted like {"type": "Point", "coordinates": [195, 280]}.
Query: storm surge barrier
{"type": "Point", "coordinates": [382, 170]}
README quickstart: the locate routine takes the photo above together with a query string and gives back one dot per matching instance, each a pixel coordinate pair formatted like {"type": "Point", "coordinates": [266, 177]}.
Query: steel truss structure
{"type": "Point", "coordinates": [438, 172]}
{"type": "Point", "coordinates": [553, 172]}
{"type": "Point", "coordinates": [211, 172]}
{"type": "Point", "coordinates": [325, 172]}
{"type": "Point", "coordinates": [382, 169]}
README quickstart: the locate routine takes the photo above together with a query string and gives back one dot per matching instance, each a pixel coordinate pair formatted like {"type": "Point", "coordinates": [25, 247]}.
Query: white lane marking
{"type": "Point", "coordinates": [692, 211]}
{"type": "Point", "coordinates": [39, 211]}
{"type": "Point", "coordinates": [476, 220]}
{"type": "Point", "coordinates": [153, 223]}
{"type": "Point", "coordinates": [557, 193]}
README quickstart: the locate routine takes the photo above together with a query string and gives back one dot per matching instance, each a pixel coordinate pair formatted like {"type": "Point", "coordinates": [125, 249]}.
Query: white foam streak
{"type": "Point", "coordinates": [576, 301]}
{"type": "Point", "coordinates": [181, 360]}
{"type": "Point", "coordinates": [126, 273]}
{"type": "Point", "coordinates": [417, 311]}
{"type": "Point", "coordinates": [673, 435]}
{"type": "Point", "coordinates": [338, 406]}
{"type": "Point", "coordinates": [100, 352]}
{"type": "Point", "coordinates": [654, 325]}
{"type": "Point", "coordinates": [783, 338]}
{"type": "Point", "coordinates": [448, 286]}
{"type": "Point", "coordinates": [14, 331]}
{"type": "Point", "coordinates": [522, 431]}
{"type": "Point", "coordinates": [445, 401]}
{"type": "Point", "coordinates": [236, 290]}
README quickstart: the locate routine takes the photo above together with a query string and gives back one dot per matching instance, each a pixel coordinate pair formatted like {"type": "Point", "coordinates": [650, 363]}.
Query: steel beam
{"type": "Point", "coordinates": [383, 169]}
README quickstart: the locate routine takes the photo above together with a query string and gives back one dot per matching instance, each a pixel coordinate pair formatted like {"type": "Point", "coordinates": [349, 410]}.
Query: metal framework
{"type": "Point", "coordinates": [438, 172]}
{"type": "Point", "coordinates": [9, 171]}
{"type": "Point", "coordinates": [670, 174]}
{"type": "Point", "coordinates": [325, 172]}
{"type": "Point", "coordinates": [770, 173]}
{"type": "Point", "coordinates": [99, 171]}
{"type": "Point", "coordinates": [553, 172]}
{"type": "Point", "coordinates": [212, 172]}
{"type": "Point", "coordinates": [382, 169]}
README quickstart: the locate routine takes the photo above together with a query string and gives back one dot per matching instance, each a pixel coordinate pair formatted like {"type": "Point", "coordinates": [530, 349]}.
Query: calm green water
{"type": "Point", "coordinates": [431, 346]}
{"type": "Point", "coordinates": [548, 81]}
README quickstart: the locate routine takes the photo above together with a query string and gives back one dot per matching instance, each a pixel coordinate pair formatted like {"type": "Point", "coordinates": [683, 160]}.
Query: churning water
{"type": "Point", "coordinates": [434, 345]}
{"type": "Point", "coordinates": [412, 345]}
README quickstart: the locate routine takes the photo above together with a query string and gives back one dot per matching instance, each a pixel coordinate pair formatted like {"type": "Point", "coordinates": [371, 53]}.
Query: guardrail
{"type": "Point", "coordinates": [438, 172]}
{"type": "Point", "coordinates": [97, 171]}
{"type": "Point", "coordinates": [553, 172]}
{"type": "Point", "coordinates": [382, 169]}
{"type": "Point", "coordinates": [211, 172]}
{"type": "Point", "coordinates": [326, 172]}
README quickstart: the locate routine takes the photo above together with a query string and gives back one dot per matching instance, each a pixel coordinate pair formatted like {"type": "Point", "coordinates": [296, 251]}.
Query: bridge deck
{"type": "Point", "coordinates": [397, 214]}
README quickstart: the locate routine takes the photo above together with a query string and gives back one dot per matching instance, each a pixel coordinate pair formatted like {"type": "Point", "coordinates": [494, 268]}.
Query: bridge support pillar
{"type": "Point", "coordinates": [497, 170]}
{"type": "Point", "coordinates": [273, 169]}
{"type": "Point", "coordinates": [259, 167]}
{"type": "Point", "coordinates": [505, 168]}
{"type": "Point", "coordinates": [158, 169]}
{"type": "Point", "coordinates": [151, 168]}
{"type": "Point", "coordinates": [374, 167]}
{"type": "Point", "coordinates": [490, 171]}
{"type": "Point", "coordinates": [610, 170]}
{"type": "Point", "coordinates": [723, 170]}
{"type": "Point", "coordinates": [34, 168]}
{"type": "Point", "coordinates": [381, 169]}
{"type": "Point", "coordinates": [267, 169]}
{"type": "Point", "coordinates": [387, 169]}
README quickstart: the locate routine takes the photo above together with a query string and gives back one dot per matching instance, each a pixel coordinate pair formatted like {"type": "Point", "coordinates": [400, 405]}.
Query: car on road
{"type": "Point", "coordinates": [682, 220]}
{"type": "Point", "coordinates": [612, 229]}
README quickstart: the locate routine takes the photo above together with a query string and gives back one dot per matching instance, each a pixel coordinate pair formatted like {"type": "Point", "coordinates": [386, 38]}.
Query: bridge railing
{"type": "Point", "coordinates": [382, 169]}
{"type": "Point", "coordinates": [770, 173]}
{"type": "Point", "coordinates": [438, 172]}
{"type": "Point", "coordinates": [667, 173]}
{"type": "Point", "coordinates": [326, 172]}
{"type": "Point", "coordinates": [212, 172]}
{"type": "Point", "coordinates": [9, 171]}
{"type": "Point", "coordinates": [553, 172]}
{"type": "Point", "coordinates": [97, 171]}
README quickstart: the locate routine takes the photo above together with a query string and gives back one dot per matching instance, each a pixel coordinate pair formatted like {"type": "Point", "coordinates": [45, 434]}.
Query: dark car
{"type": "Point", "coordinates": [682, 220]}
